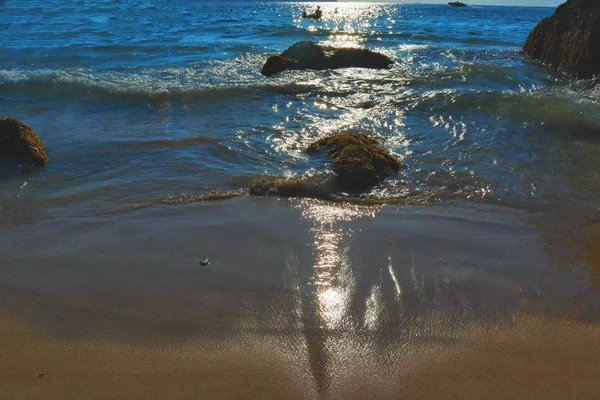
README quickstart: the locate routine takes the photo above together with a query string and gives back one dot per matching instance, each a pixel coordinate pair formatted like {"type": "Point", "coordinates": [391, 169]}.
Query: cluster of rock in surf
{"type": "Point", "coordinates": [359, 160]}
{"type": "Point", "coordinates": [567, 41]}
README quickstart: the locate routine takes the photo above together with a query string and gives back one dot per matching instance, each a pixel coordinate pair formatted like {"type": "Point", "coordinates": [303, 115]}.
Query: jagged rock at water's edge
{"type": "Point", "coordinates": [568, 40]}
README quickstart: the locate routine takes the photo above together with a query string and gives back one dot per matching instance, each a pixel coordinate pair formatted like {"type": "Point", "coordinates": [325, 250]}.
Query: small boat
{"type": "Point", "coordinates": [457, 4]}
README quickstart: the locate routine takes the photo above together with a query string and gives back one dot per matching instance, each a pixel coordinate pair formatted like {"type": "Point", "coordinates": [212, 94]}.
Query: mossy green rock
{"type": "Point", "coordinates": [20, 141]}
{"type": "Point", "coordinates": [569, 39]}
{"type": "Point", "coordinates": [360, 162]}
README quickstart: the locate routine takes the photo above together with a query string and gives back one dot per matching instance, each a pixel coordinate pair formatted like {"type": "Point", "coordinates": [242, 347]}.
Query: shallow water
{"type": "Point", "coordinates": [143, 102]}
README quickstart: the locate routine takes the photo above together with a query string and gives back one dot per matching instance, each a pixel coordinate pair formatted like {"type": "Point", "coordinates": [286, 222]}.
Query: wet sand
{"type": "Point", "coordinates": [535, 359]}
{"type": "Point", "coordinates": [300, 300]}
{"type": "Point", "coordinates": [37, 367]}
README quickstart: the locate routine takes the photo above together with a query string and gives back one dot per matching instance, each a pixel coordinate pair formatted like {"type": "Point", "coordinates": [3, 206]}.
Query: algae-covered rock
{"type": "Point", "coordinates": [319, 186]}
{"type": "Point", "coordinates": [309, 55]}
{"type": "Point", "coordinates": [19, 140]}
{"type": "Point", "coordinates": [360, 162]}
{"type": "Point", "coordinates": [569, 39]}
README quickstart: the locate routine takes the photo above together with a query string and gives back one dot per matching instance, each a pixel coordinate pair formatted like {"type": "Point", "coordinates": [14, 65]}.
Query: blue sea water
{"type": "Point", "coordinates": [147, 101]}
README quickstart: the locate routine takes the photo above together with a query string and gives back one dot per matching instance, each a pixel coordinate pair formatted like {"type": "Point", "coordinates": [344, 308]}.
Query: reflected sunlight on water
{"type": "Point", "coordinates": [332, 274]}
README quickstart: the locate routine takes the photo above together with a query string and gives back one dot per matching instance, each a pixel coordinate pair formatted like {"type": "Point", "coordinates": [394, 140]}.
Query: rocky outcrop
{"type": "Point", "coordinates": [569, 39]}
{"type": "Point", "coordinates": [19, 141]}
{"type": "Point", "coordinates": [308, 55]}
{"type": "Point", "coordinates": [360, 162]}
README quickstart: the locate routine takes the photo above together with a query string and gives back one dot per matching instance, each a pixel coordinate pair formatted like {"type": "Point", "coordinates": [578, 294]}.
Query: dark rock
{"type": "Point", "coordinates": [319, 186]}
{"type": "Point", "coordinates": [18, 140]}
{"type": "Point", "coordinates": [569, 39]}
{"type": "Point", "coordinates": [279, 63]}
{"type": "Point", "coordinates": [308, 55]}
{"type": "Point", "coordinates": [358, 58]}
{"type": "Point", "coordinates": [360, 162]}
{"type": "Point", "coordinates": [365, 105]}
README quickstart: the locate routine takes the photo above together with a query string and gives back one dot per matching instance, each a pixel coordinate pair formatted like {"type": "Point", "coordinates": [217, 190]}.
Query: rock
{"type": "Point", "coordinates": [357, 58]}
{"type": "Point", "coordinates": [279, 63]}
{"type": "Point", "coordinates": [360, 162]}
{"type": "Point", "coordinates": [308, 55]}
{"type": "Point", "coordinates": [568, 40]}
{"type": "Point", "coordinates": [319, 186]}
{"type": "Point", "coordinates": [18, 140]}
{"type": "Point", "coordinates": [306, 52]}
{"type": "Point", "coordinates": [365, 105]}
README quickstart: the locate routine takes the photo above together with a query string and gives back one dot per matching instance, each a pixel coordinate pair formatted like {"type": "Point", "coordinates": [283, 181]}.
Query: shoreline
{"type": "Point", "coordinates": [298, 299]}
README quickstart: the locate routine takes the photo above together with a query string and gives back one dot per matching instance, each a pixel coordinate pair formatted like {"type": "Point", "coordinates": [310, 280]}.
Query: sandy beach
{"type": "Point", "coordinates": [300, 300]}
{"type": "Point", "coordinates": [535, 359]}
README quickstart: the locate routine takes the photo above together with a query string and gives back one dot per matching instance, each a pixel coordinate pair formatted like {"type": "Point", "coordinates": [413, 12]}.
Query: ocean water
{"type": "Point", "coordinates": [142, 102]}
{"type": "Point", "coordinates": [158, 122]}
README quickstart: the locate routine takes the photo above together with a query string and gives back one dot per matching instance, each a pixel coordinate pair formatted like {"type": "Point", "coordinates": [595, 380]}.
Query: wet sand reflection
{"type": "Point", "coordinates": [382, 314]}
{"type": "Point", "coordinates": [320, 301]}
{"type": "Point", "coordinates": [349, 328]}
{"type": "Point", "coordinates": [327, 302]}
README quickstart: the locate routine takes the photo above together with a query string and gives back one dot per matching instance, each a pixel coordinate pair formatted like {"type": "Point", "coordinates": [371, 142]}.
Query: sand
{"type": "Point", "coordinates": [300, 300]}
{"type": "Point", "coordinates": [37, 367]}
{"type": "Point", "coordinates": [533, 360]}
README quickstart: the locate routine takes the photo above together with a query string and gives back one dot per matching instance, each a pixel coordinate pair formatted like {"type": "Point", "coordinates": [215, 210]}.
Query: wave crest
{"type": "Point", "coordinates": [185, 84]}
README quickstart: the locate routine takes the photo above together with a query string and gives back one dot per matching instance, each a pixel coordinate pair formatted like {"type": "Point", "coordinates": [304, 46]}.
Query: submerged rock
{"type": "Point", "coordinates": [308, 55]}
{"type": "Point", "coordinates": [18, 140]}
{"type": "Point", "coordinates": [360, 162]}
{"type": "Point", "coordinates": [568, 40]}
{"type": "Point", "coordinates": [365, 105]}
{"type": "Point", "coordinates": [320, 186]}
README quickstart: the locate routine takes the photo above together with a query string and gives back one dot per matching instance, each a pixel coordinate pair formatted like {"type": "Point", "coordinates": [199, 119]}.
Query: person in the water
{"type": "Point", "coordinates": [316, 15]}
